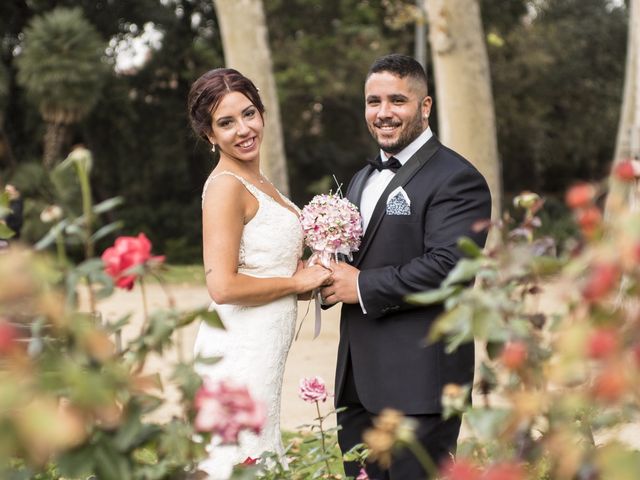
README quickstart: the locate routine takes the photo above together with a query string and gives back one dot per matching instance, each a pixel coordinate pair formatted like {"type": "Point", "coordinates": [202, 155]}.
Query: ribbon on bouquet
{"type": "Point", "coordinates": [323, 258]}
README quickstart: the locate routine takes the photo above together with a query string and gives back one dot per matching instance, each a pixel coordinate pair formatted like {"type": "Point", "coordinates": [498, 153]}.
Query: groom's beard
{"type": "Point", "coordinates": [409, 133]}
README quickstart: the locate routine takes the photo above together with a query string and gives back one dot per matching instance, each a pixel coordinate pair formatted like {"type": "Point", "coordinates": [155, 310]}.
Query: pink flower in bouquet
{"type": "Point", "coordinates": [226, 409]}
{"type": "Point", "coordinates": [331, 225]}
{"type": "Point", "coordinates": [128, 252]}
{"type": "Point", "coordinates": [312, 390]}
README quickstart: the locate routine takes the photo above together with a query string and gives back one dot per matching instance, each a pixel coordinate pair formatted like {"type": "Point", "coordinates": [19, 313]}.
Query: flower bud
{"type": "Point", "coordinates": [513, 355]}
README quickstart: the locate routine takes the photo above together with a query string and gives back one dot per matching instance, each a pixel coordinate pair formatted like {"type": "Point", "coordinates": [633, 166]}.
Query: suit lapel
{"type": "Point", "coordinates": [354, 193]}
{"type": "Point", "coordinates": [408, 170]}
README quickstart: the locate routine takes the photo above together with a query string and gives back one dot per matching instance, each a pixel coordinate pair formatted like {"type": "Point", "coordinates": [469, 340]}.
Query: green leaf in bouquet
{"type": "Point", "coordinates": [487, 423]}
{"type": "Point", "coordinates": [107, 230]}
{"type": "Point", "coordinates": [108, 204]}
{"type": "Point", "coordinates": [432, 296]}
{"type": "Point", "coordinates": [132, 433]}
{"type": "Point", "coordinates": [464, 271]}
{"type": "Point", "coordinates": [469, 247]}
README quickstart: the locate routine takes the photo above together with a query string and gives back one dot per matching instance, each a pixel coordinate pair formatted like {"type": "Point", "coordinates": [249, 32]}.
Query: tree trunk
{"type": "Point", "coordinates": [246, 48]}
{"type": "Point", "coordinates": [466, 119]}
{"type": "Point", "coordinates": [628, 137]}
{"type": "Point", "coordinates": [628, 133]}
{"type": "Point", "coordinates": [53, 140]}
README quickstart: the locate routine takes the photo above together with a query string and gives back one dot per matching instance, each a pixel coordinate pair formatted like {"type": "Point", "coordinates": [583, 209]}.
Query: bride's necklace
{"type": "Point", "coordinates": [261, 178]}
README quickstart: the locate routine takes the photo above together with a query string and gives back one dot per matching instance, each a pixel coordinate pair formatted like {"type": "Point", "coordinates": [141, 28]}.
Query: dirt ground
{"type": "Point", "coordinates": [307, 357]}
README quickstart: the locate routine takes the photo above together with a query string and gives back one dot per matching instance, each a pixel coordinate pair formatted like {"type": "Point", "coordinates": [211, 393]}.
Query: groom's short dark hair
{"type": "Point", "coordinates": [401, 66]}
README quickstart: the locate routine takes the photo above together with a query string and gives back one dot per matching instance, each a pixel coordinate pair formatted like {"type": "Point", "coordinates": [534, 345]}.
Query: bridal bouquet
{"type": "Point", "coordinates": [332, 225]}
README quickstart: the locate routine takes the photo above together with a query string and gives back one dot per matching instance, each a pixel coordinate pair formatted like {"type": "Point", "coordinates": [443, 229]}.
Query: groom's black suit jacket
{"type": "Point", "coordinates": [393, 366]}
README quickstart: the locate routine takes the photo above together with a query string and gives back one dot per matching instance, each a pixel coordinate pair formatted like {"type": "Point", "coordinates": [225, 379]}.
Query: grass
{"type": "Point", "coordinates": [183, 275]}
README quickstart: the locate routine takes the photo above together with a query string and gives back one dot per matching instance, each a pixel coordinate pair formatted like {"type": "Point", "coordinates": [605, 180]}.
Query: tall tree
{"type": "Point", "coordinates": [466, 118]}
{"type": "Point", "coordinates": [628, 138]}
{"type": "Point", "coordinates": [246, 47]}
{"type": "Point", "coordinates": [61, 69]}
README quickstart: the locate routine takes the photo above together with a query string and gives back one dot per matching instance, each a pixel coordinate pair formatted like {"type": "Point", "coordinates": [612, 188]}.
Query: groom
{"type": "Point", "coordinates": [417, 199]}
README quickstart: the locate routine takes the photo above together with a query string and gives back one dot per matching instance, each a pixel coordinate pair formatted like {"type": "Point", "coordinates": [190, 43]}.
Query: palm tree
{"type": "Point", "coordinates": [62, 70]}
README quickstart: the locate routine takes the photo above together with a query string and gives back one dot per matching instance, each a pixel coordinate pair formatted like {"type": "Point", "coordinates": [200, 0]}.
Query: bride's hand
{"type": "Point", "coordinates": [308, 278]}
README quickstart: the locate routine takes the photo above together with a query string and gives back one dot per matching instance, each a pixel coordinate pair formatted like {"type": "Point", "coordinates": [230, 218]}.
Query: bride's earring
{"type": "Point", "coordinates": [213, 147]}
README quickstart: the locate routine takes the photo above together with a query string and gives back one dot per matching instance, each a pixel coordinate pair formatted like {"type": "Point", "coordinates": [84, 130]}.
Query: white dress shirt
{"type": "Point", "coordinates": [378, 181]}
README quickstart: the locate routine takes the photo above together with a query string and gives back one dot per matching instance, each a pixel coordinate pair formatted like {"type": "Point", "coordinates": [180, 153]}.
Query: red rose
{"type": "Point", "coordinates": [625, 171]}
{"type": "Point", "coordinates": [602, 343]}
{"type": "Point", "coordinates": [513, 355]}
{"type": "Point", "coordinates": [602, 279]}
{"type": "Point", "coordinates": [128, 252]}
{"type": "Point", "coordinates": [580, 195]}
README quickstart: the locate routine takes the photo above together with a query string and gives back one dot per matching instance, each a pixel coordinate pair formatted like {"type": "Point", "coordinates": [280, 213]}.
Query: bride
{"type": "Point", "coordinates": [252, 244]}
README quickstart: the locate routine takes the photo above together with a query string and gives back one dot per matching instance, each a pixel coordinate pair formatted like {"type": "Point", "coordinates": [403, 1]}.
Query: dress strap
{"type": "Point", "coordinates": [255, 191]}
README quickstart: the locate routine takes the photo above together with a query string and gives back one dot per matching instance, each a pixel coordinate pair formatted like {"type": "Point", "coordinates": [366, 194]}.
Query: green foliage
{"type": "Point", "coordinates": [61, 65]}
{"type": "Point", "coordinates": [557, 92]}
{"type": "Point", "coordinates": [556, 379]}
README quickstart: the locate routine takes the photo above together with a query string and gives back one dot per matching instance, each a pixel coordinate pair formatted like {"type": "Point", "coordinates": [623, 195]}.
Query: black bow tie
{"type": "Point", "coordinates": [392, 164]}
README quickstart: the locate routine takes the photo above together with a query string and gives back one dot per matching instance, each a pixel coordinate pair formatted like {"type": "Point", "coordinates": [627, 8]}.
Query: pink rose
{"type": "Point", "coordinates": [226, 409]}
{"type": "Point", "coordinates": [128, 252]}
{"type": "Point", "coordinates": [362, 475]}
{"type": "Point", "coordinates": [312, 390]}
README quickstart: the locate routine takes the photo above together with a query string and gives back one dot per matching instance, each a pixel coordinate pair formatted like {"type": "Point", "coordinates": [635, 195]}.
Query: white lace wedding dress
{"type": "Point", "coordinates": [256, 341]}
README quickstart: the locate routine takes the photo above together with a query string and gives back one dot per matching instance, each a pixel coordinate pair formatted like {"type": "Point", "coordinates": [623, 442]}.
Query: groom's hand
{"type": "Point", "coordinates": [344, 287]}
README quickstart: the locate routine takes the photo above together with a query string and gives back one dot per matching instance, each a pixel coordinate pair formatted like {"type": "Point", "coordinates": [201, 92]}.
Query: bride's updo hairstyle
{"type": "Point", "coordinates": [207, 92]}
